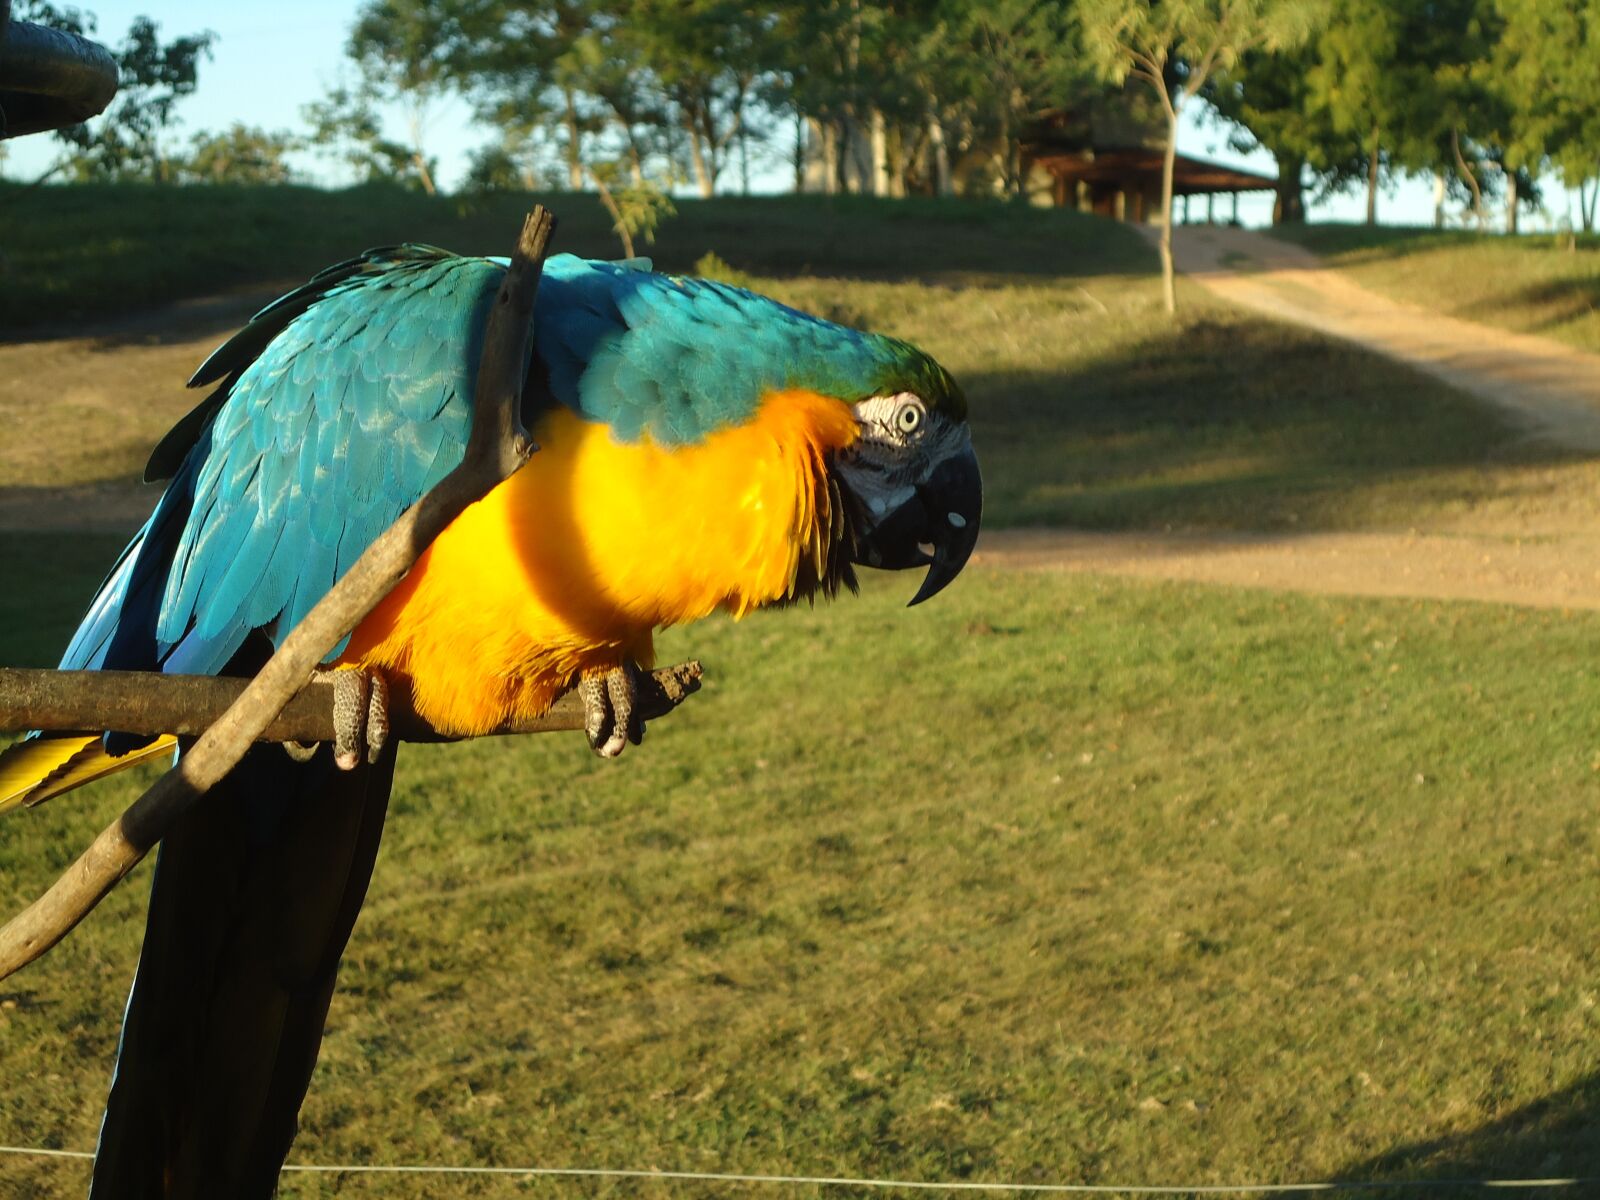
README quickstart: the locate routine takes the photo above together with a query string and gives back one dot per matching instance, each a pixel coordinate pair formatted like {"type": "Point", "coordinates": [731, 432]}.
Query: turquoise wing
{"type": "Point", "coordinates": [341, 405]}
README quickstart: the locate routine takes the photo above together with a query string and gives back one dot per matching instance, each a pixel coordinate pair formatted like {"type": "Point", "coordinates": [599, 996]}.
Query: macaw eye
{"type": "Point", "coordinates": [908, 418]}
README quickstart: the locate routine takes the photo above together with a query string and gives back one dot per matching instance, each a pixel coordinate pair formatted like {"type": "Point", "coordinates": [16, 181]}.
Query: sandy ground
{"type": "Point", "coordinates": [127, 379]}
{"type": "Point", "coordinates": [1540, 573]}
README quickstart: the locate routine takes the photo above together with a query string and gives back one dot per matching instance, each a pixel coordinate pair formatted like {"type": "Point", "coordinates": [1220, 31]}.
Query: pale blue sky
{"type": "Point", "coordinates": [273, 57]}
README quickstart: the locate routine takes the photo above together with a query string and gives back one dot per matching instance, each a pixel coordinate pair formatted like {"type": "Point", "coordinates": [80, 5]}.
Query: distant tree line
{"type": "Point", "coordinates": [1488, 97]}
{"type": "Point", "coordinates": [633, 98]}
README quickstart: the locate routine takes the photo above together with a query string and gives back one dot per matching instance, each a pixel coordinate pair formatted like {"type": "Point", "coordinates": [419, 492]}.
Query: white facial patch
{"type": "Point", "coordinates": [895, 419]}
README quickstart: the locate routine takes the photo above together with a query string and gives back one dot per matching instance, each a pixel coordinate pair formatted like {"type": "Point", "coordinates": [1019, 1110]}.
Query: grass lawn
{"type": "Point", "coordinates": [1079, 881]}
{"type": "Point", "coordinates": [1090, 406]}
{"type": "Point", "coordinates": [1530, 284]}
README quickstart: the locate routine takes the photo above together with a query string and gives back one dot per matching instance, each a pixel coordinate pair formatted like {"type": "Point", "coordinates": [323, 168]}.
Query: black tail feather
{"type": "Point", "coordinates": [254, 897]}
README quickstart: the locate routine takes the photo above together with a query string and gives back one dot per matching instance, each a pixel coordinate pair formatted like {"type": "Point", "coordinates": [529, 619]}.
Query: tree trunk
{"type": "Point", "coordinates": [424, 174]}
{"type": "Point", "coordinates": [880, 153]}
{"type": "Point", "coordinates": [418, 158]}
{"type": "Point", "coordinates": [743, 134]}
{"type": "Point", "coordinates": [1469, 176]}
{"type": "Point", "coordinates": [1290, 208]}
{"type": "Point", "coordinates": [1372, 179]}
{"type": "Point", "coordinates": [939, 152]}
{"type": "Point", "coordinates": [1169, 157]}
{"type": "Point", "coordinates": [697, 158]}
{"type": "Point", "coordinates": [1438, 199]}
{"type": "Point", "coordinates": [1588, 212]}
{"type": "Point", "coordinates": [574, 144]}
{"type": "Point", "coordinates": [1005, 150]}
{"type": "Point", "coordinates": [618, 225]}
{"type": "Point", "coordinates": [799, 153]}
{"type": "Point", "coordinates": [830, 158]}
{"type": "Point", "coordinates": [1511, 203]}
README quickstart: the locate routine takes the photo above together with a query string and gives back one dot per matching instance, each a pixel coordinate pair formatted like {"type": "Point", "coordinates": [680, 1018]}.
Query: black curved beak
{"type": "Point", "coordinates": [944, 512]}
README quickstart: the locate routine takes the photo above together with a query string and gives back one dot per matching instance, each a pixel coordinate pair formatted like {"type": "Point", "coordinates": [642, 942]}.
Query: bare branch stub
{"type": "Point", "coordinates": [496, 447]}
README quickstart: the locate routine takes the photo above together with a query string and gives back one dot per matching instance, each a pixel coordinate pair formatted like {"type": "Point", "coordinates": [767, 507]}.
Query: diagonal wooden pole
{"type": "Point", "coordinates": [497, 446]}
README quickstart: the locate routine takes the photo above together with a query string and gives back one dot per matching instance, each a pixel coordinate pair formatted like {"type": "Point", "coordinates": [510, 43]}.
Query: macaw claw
{"type": "Point", "coordinates": [611, 715]}
{"type": "Point", "coordinates": [360, 717]}
{"type": "Point", "coordinates": [360, 720]}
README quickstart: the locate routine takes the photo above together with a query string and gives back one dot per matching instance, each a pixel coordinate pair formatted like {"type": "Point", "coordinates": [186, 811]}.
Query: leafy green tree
{"type": "Point", "coordinates": [1173, 47]}
{"type": "Point", "coordinates": [240, 154]}
{"type": "Point", "coordinates": [1413, 79]}
{"type": "Point", "coordinates": [636, 209]}
{"type": "Point", "coordinates": [504, 165]}
{"type": "Point", "coordinates": [705, 56]}
{"type": "Point", "coordinates": [345, 125]}
{"type": "Point", "coordinates": [527, 66]}
{"type": "Point", "coordinates": [1547, 68]}
{"type": "Point", "coordinates": [995, 66]}
{"type": "Point", "coordinates": [1270, 101]}
{"type": "Point", "coordinates": [411, 52]}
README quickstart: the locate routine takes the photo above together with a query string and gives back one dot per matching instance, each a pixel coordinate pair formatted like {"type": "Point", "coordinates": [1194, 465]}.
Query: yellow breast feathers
{"type": "Point", "coordinates": [572, 563]}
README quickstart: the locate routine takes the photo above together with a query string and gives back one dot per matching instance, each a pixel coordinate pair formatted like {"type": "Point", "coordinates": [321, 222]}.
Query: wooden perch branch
{"type": "Point", "coordinates": [498, 445]}
{"type": "Point", "coordinates": [188, 705]}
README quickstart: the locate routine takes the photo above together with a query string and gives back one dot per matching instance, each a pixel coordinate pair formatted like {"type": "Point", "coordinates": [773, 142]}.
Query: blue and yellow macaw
{"type": "Point", "coordinates": [701, 448]}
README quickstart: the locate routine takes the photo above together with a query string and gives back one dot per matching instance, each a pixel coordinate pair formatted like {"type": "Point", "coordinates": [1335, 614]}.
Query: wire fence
{"type": "Point", "coordinates": [913, 1185]}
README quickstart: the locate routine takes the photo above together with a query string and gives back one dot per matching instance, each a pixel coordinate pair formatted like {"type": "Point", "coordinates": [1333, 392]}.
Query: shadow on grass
{"type": "Point", "coordinates": [1551, 303]}
{"type": "Point", "coordinates": [37, 620]}
{"type": "Point", "coordinates": [1556, 1137]}
{"type": "Point", "coordinates": [1232, 422]}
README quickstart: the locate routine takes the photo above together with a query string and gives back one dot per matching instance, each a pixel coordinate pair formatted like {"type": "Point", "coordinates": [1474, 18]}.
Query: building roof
{"type": "Point", "coordinates": [1141, 166]}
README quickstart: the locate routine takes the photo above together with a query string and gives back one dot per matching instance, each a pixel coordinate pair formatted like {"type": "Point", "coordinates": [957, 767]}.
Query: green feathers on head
{"type": "Point", "coordinates": [679, 358]}
{"type": "Point", "coordinates": [913, 371]}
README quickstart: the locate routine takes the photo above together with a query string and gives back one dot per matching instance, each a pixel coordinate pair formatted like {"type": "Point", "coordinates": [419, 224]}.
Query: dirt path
{"type": "Point", "coordinates": [1545, 573]}
{"type": "Point", "coordinates": [120, 388]}
{"type": "Point", "coordinates": [1551, 389]}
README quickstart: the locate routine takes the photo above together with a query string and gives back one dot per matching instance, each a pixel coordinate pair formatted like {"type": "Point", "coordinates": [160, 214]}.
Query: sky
{"type": "Point", "coordinates": [274, 56]}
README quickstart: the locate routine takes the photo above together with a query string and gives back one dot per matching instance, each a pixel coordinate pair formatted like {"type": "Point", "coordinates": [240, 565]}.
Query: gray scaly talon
{"type": "Point", "coordinates": [611, 711]}
{"type": "Point", "coordinates": [360, 717]}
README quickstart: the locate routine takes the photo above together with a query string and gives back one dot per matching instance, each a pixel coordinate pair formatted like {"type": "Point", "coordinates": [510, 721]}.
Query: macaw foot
{"type": "Point", "coordinates": [360, 719]}
{"type": "Point", "coordinates": [611, 717]}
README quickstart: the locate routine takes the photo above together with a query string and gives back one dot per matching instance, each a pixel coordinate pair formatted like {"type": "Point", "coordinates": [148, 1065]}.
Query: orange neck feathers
{"type": "Point", "coordinates": [572, 563]}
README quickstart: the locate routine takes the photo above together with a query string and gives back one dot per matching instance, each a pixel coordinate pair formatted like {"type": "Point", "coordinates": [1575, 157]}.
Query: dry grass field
{"type": "Point", "coordinates": [1055, 879]}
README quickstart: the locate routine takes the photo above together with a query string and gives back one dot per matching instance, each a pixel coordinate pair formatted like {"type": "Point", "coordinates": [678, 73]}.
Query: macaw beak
{"type": "Point", "coordinates": [944, 511]}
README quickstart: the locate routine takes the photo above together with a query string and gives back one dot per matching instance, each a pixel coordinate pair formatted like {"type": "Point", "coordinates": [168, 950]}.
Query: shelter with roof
{"type": "Point", "coordinates": [1104, 156]}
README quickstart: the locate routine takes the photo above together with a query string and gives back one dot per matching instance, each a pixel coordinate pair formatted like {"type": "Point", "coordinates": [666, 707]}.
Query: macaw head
{"type": "Point", "coordinates": [910, 476]}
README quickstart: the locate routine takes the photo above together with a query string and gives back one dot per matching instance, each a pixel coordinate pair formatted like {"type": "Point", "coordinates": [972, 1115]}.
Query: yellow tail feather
{"type": "Point", "coordinates": [32, 772]}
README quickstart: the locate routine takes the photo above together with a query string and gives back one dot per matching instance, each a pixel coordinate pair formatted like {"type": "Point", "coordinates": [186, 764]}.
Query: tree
{"type": "Point", "coordinates": [636, 209]}
{"type": "Point", "coordinates": [1018, 62]}
{"type": "Point", "coordinates": [1547, 68]}
{"type": "Point", "coordinates": [1173, 46]}
{"type": "Point", "coordinates": [1270, 101]}
{"type": "Point", "coordinates": [240, 154]}
{"type": "Point", "coordinates": [705, 56]}
{"type": "Point", "coordinates": [345, 124]}
{"type": "Point", "coordinates": [411, 52]}
{"type": "Point", "coordinates": [528, 63]}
